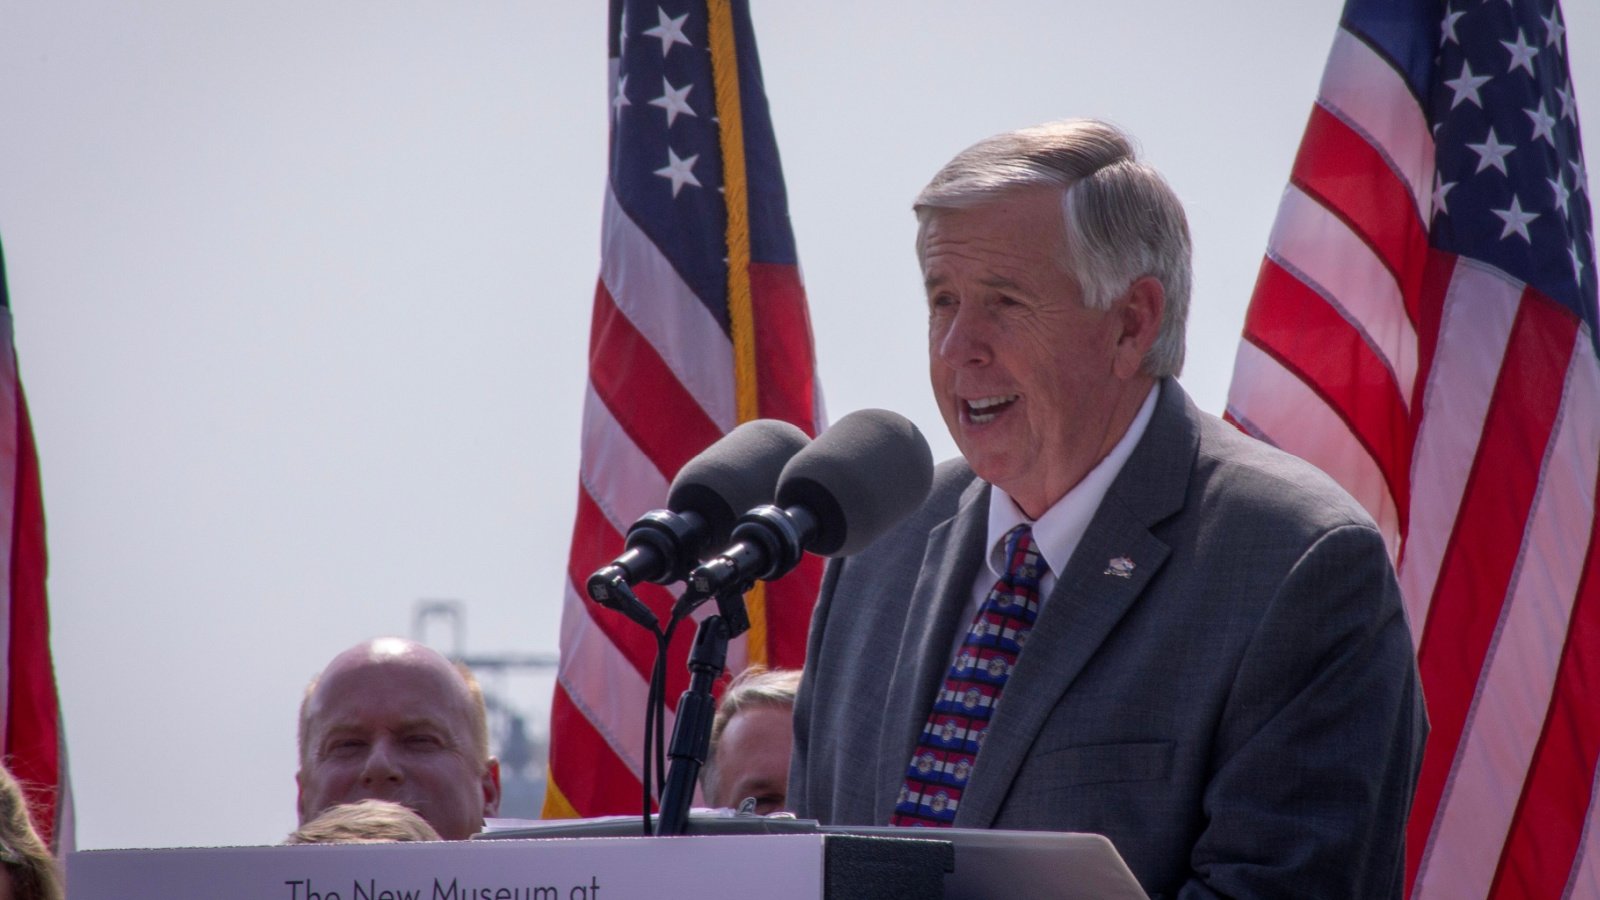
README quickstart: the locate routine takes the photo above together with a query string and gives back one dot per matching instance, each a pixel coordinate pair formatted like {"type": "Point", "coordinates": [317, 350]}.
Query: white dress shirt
{"type": "Point", "coordinates": [1057, 532]}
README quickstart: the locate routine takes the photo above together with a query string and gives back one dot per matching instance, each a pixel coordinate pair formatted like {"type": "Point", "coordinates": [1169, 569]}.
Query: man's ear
{"type": "Point", "coordinates": [1139, 315]}
{"type": "Point", "coordinates": [491, 788]}
{"type": "Point", "coordinates": [300, 795]}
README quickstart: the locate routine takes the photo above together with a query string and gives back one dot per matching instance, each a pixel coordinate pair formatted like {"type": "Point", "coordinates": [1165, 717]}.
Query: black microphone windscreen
{"type": "Point", "coordinates": [868, 471]}
{"type": "Point", "coordinates": [738, 472]}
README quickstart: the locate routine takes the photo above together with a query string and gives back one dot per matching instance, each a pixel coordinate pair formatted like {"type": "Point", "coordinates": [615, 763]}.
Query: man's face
{"type": "Point", "coordinates": [1025, 376]}
{"type": "Point", "coordinates": [753, 758]}
{"type": "Point", "coordinates": [397, 728]}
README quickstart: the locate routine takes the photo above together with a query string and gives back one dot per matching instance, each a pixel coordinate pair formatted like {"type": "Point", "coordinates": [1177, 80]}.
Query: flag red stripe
{"type": "Point", "coordinates": [33, 737]}
{"type": "Point", "coordinates": [785, 375]}
{"type": "Point", "coordinates": [1306, 335]}
{"type": "Point", "coordinates": [644, 397]}
{"type": "Point", "coordinates": [1438, 270]}
{"type": "Point", "coordinates": [595, 543]}
{"type": "Point", "coordinates": [607, 782]}
{"type": "Point", "coordinates": [1337, 166]}
{"type": "Point", "coordinates": [784, 363]}
{"type": "Point", "coordinates": [1548, 823]}
{"type": "Point", "coordinates": [1478, 563]}
{"type": "Point", "coordinates": [789, 603]}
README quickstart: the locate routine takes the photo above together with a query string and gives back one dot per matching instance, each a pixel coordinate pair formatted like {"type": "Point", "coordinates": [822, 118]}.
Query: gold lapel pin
{"type": "Point", "coordinates": [1122, 567]}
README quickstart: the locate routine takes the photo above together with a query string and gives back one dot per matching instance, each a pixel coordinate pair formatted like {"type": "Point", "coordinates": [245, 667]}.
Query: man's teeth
{"type": "Point", "coordinates": [977, 409]}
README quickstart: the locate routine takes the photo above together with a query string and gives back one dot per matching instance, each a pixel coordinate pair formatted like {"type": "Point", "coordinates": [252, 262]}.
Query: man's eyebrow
{"type": "Point", "coordinates": [1000, 282]}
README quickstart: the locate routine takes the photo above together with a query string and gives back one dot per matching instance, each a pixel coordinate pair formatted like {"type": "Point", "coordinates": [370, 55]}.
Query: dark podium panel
{"type": "Point", "coordinates": [885, 866]}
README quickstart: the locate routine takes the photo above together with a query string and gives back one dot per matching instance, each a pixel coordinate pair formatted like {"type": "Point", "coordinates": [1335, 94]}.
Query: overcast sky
{"type": "Point", "coordinates": [302, 294]}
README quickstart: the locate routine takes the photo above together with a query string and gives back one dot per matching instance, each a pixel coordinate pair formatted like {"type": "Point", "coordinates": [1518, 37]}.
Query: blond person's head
{"type": "Point", "coordinates": [31, 871]}
{"type": "Point", "coordinates": [364, 822]}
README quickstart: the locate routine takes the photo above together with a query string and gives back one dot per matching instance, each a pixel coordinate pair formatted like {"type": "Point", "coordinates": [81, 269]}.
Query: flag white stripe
{"type": "Point", "coordinates": [620, 478]}
{"type": "Point", "coordinates": [1320, 250]}
{"type": "Point", "coordinates": [1277, 406]}
{"type": "Point", "coordinates": [1585, 880]}
{"type": "Point", "coordinates": [1364, 90]}
{"type": "Point", "coordinates": [608, 690]}
{"type": "Point", "coordinates": [1479, 309]}
{"type": "Point", "coordinates": [661, 306]}
{"type": "Point", "coordinates": [1507, 717]}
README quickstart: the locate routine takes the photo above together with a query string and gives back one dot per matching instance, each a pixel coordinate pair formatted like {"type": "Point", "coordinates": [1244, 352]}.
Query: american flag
{"type": "Point", "coordinates": [34, 741]}
{"type": "Point", "coordinates": [700, 324]}
{"type": "Point", "coordinates": [1424, 328]}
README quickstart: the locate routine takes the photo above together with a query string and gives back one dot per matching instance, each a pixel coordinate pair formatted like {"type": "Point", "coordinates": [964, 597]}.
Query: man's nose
{"type": "Point", "coordinates": [381, 766]}
{"type": "Point", "coordinates": [963, 338]}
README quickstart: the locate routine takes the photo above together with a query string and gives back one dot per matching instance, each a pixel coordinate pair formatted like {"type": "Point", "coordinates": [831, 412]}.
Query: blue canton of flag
{"type": "Point", "coordinates": [664, 112]}
{"type": "Point", "coordinates": [1510, 162]}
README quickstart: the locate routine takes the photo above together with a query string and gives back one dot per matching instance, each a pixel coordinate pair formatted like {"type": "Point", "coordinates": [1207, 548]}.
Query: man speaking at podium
{"type": "Point", "coordinates": [1115, 614]}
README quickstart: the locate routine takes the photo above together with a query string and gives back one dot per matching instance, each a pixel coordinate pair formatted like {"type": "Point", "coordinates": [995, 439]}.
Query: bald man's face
{"type": "Point", "coordinates": [397, 728]}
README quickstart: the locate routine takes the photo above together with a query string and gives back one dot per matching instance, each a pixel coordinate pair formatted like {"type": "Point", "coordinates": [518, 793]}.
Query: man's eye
{"type": "Point", "coordinates": [423, 741]}
{"type": "Point", "coordinates": [346, 746]}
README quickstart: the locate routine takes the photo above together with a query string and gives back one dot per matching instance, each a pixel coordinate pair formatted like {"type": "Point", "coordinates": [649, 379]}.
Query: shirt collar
{"type": "Point", "coordinates": [1058, 531]}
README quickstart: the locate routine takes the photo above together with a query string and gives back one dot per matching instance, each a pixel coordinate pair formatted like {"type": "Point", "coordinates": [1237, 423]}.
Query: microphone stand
{"type": "Point", "coordinates": [691, 732]}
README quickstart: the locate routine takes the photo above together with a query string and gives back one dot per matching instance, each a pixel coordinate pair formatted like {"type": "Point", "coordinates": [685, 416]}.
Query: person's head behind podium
{"type": "Point", "coordinates": [391, 719]}
{"type": "Point", "coordinates": [751, 735]}
{"type": "Point", "coordinates": [364, 822]}
{"type": "Point", "coordinates": [30, 871]}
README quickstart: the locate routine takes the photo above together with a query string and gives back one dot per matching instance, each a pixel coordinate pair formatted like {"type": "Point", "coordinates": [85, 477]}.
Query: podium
{"type": "Point", "coordinates": [880, 863]}
{"type": "Point", "coordinates": [724, 867]}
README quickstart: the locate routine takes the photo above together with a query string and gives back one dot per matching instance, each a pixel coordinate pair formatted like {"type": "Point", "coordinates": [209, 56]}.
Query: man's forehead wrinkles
{"type": "Point", "coordinates": [382, 723]}
{"type": "Point", "coordinates": [939, 278]}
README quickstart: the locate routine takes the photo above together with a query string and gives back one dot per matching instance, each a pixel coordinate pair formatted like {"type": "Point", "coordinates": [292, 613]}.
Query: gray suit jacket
{"type": "Point", "coordinates": [1240, 714]}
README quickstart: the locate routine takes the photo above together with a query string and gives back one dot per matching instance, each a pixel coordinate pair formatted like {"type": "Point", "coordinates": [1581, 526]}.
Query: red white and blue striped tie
{"type": "Point", "coordinates": [949, 744]}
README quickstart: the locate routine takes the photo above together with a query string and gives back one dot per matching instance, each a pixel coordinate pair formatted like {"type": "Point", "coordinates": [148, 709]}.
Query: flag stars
{"type": "Point", "coordinates": [1522, 54]}
{"type": "Point", "coordinates": [1580, 175]}
{"type": "Point", "coordinates": [1553, 29]}
{"type": "Point", "coordinates": [1543, 123]}
{"type": "Point", "coordinates": [679, 171]}
{"type": "Point", "coordinates": [1516, 219]}
{"type": "Point", "coordinates": [1441, 193]}
{"type": "Point", "coordinates": [620, 99]}
{"type": "Point", "coordinates": [669, 31]}
{"type": "Point", "coordinates": [1491, 153]}
{"type": "Point", "coordinates": [1558, 186]}
{"type": "Point", "coordinates": [1577, 262]}
{"type": "Point", "coordinates": [1466, 87]}
{"type": "Point", "coordinates": [674, 101]}
{"type": "Point", "coordinates": [1447, 29]}
{"type": "Point", "coordinates": [1569, 106]}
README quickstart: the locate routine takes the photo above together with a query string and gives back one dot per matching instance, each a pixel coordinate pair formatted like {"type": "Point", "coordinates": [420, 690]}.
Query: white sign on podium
{"type": "Point", "coordinates": [785, 867]}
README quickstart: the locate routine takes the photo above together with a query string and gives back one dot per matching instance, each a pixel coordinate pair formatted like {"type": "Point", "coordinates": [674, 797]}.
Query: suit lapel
{"type": "Point", "coordinates": [1097, 589]}
{"type": "Point", "coordinates": [950, 564]}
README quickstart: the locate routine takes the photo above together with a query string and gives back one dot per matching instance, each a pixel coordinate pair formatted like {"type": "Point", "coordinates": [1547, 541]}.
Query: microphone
{"type": "Point", "coordinates": [735, 473]}
{"type": "Point", "coordinates": [858, 479]}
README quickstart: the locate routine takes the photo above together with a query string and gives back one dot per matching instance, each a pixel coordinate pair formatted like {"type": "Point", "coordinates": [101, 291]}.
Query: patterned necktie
{"type": "Point", "coordinates": [950, 741]}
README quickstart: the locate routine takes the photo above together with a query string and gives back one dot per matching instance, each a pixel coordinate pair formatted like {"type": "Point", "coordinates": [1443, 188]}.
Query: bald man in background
{"type": "Point", "coordinates": [391, 719]}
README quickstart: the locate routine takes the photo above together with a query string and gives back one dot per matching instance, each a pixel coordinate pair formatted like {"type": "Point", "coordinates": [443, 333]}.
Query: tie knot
{"type": "Point", "coordinates": [1021, 552]}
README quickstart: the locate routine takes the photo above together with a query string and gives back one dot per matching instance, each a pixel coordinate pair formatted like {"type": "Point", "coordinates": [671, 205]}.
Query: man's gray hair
{"type": "Point", "coordinates": [1122, 220]}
